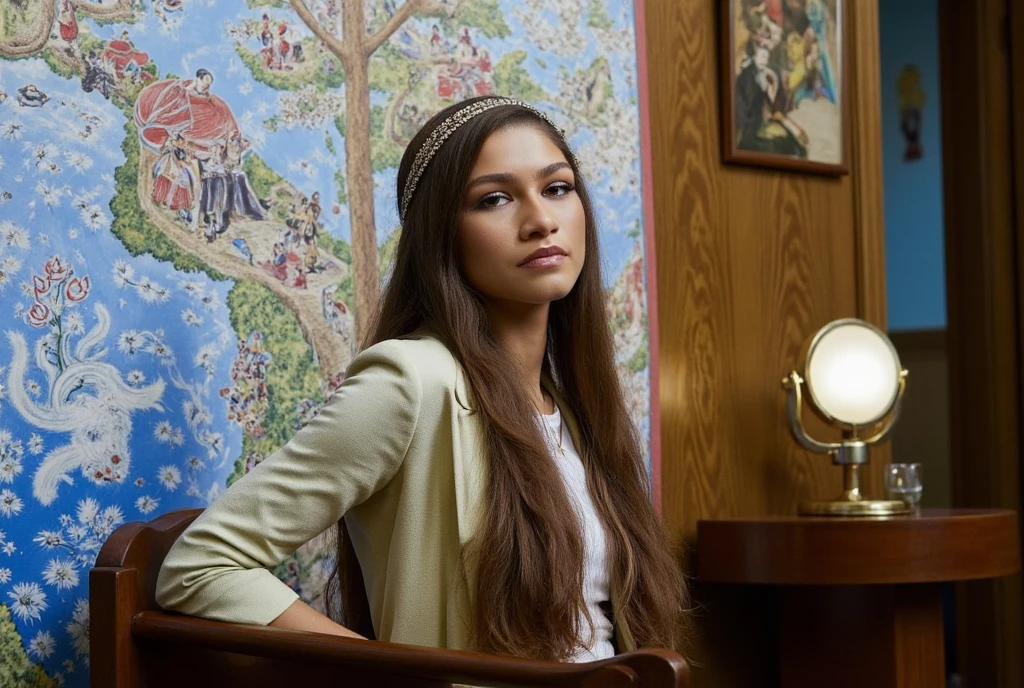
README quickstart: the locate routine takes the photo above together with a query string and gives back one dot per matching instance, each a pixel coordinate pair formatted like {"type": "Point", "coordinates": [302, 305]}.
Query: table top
{"type": "Point", "coordinates": [932, 545]}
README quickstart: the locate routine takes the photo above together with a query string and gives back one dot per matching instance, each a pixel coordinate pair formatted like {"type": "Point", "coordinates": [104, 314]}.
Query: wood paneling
{"type": "Point", "coordinates": [750, 263]}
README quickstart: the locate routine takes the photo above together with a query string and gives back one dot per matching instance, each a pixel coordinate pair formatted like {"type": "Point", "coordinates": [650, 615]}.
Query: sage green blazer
{"type": "Point", "coordinates": [398, 451]}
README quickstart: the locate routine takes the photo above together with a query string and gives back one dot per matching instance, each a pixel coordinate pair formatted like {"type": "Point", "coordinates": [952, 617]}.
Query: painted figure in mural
{"type": "Point", "coordinates": [248, 401]}
{"type": "Point", "coordinates": [214, 147]}
{"type": "Point", "coordinates": [214, 198]}
{"type": "Point", "coordinates": [68, 22]}
{"type": "Point", "coordinates": [437, 42]}
{"type": "Point", "coordinates": [336, 312]}
{"type": "Point", "coordinates": [98, 75]}
{"type": "Point", "coordinates": [278, 263]}
{"type": "Point", "coordinates": [309, 227]}
{"type": "Point", "coordinates": [243, 200]}
{"type": "Point", "coordinates": [31, 96]}
{"type": "Point", "coordinates": [167, 9]}
{"type": "Point", "coordinates": [176, 177]}
{"type": "Point", "coordinates": [121, 53]}
{"type": "Point", "coordinates": [185, 107]}
{"type": "Point", "coordinates": [296, 218]}
{"type": "Point", "coordinates": [283, 46]}
{"type": "Point", "coordinates": [504, 505]}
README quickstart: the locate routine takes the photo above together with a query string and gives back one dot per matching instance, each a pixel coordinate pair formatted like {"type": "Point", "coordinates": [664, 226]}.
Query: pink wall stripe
{"type": "Point", "coordinates": [647, 184]}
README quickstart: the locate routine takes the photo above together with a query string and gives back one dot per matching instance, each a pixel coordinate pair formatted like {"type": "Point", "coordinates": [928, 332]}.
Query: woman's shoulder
{"type": "Point", "coordinates": [420, 355]}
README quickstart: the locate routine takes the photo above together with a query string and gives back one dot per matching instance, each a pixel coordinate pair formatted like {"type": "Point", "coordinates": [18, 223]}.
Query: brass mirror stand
{"type": "Point", "coordinates": [851, 453]}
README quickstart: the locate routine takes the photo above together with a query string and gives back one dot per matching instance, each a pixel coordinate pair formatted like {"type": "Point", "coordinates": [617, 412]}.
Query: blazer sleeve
{"type": "Point", "coordinates": [217, 569]}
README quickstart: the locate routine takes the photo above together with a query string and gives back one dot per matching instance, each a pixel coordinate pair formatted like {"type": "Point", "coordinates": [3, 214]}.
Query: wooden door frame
{"type": "Point", "coordinates": [981, 110]}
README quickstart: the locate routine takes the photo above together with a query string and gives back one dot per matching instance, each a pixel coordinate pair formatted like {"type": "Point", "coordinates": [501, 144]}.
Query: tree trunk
{"type": "Point", "coordinates": [359, 174]}
{"type": "Point", "coordinates": [358, 168]}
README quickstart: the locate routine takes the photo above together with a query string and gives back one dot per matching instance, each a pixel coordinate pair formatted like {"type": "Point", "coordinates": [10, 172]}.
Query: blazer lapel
{"type": "Point", "coordinates": [470, 470]}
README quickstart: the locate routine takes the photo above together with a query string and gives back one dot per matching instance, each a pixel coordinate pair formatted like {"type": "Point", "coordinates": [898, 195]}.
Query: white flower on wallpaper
{"type": "Point", "coordinates": [146, 504]}
{"type": "Point", "coordinates": [61, 573]}
{"type": "Point", "coordinates": [11, 453]}
{"type": "Point", "coordinates": [10, 503]}
{"type": "Point", "coordinates": [169, 477]}
{"type": "Point", "coordinates": [11, 131]}
{"type": "Point", "coordinates": [78, 160]}
{"type": "Point", "coordinates": [28, 601]}
{"type": "Point", "coordinates": [168, 434]}
{"type": "Point", "coordinates": [41, 156]}
{"type": "Point", "coordinates": [78, 629]}
{"type": "Point", "coordinates": [190, 318]}
{"type": "Point", "coordinates": [42, 645]}
{"type": "Point", "coordinates": [80, 537]}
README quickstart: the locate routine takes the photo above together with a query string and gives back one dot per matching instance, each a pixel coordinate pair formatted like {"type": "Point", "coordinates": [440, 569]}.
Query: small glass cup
{"type": "Point", "coordinates": [903, 481]}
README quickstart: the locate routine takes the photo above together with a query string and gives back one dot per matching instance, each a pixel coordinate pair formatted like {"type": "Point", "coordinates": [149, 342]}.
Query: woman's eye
{"type": "Point", "coordinates": [559, 189]}
{"type": "Point", "coordinates": [493, 200]}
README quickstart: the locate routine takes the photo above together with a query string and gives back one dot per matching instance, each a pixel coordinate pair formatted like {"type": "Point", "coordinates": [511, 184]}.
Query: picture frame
{"type": "Point", "coordinates": [785, 84]}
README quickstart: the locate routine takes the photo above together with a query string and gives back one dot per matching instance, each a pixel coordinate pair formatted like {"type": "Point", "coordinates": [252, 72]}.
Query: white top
{"type": "Point", "coordinates": [596, 566]}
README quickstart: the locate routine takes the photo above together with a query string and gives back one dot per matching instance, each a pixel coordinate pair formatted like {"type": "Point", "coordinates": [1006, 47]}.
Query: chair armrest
{"type": "Point", "coordinates": [655, 668]}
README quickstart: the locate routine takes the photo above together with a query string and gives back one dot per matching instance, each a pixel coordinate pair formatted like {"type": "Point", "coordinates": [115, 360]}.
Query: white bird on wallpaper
{"type": "Point", "coordinates": [88, 399]}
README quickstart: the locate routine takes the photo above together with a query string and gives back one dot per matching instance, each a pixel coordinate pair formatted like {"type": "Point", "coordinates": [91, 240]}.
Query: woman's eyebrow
{"type": "Point", "coordinates": [496, 178]}
{"type": "Point", "coordinates": [508, 177]}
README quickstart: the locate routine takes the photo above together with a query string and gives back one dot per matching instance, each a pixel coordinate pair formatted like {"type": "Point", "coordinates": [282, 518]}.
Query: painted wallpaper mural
{"type": "Point", "coordinates": [196, 211]}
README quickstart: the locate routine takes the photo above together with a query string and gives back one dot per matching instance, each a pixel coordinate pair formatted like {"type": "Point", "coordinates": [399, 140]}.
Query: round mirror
{"type": "Point", "coordinates": [852, 372]}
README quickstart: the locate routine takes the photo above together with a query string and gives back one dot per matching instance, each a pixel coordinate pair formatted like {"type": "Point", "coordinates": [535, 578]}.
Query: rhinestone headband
{"type": "Point", "coordinates": [448, 127]}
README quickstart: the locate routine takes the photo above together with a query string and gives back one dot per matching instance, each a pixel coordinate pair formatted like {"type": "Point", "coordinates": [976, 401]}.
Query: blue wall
{"type": "Point", "coordinates": [915, 267]}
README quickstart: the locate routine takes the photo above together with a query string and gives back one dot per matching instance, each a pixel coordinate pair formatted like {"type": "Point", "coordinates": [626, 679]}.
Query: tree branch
{"type": "Point", "coordinates": [336, 46]}
{"type": "Point", "coordinates": [20, 46]}
{"type": "Point", "coordinates": [397, 19]}
{"type": "Point", "coordinates": [122, 9]}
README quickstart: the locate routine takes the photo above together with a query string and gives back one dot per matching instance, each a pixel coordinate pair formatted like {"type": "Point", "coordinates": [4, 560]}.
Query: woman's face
{"type": "Point", "coordinates": [522, 230]}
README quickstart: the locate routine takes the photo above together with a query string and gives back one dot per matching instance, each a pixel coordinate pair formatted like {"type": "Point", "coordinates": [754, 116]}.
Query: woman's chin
{"type": "Point", "coordinates": [548, 295]}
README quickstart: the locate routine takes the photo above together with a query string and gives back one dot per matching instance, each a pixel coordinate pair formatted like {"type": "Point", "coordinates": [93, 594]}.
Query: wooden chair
{"type": "Point", "coordinates": [133, 643]}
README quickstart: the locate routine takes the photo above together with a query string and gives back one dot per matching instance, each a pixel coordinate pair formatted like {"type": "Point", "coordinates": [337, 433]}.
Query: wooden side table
{"type": "Point", "coordinates": [861, 599]}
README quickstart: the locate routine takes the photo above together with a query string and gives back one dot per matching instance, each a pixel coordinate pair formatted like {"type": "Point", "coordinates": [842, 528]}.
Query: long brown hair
{"type": "Point", "coordinates": [529, 552]}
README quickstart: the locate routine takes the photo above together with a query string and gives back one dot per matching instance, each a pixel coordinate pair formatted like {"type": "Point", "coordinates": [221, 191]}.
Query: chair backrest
{"type": "Point", "coordinates": [134, 643]}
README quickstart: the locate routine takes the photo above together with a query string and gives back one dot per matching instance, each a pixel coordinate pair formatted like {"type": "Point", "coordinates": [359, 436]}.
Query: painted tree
{"type": "Point", "coordinates": [354, 45]}
{"type": "Point", "coordinates": [16, 668]}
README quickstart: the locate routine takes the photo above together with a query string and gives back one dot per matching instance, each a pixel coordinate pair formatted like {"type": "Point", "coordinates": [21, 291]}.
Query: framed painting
{"type": "Point", "coordinates": [784, 84]}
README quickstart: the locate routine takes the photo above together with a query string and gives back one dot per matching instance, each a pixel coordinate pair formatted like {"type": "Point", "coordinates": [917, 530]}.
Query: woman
{"type": "Point", "coordinates": [487, 484]}
{"type": "Point", "coordinates": [174, 180]}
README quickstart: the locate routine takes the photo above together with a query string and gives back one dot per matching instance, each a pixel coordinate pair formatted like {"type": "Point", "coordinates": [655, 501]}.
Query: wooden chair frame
{"type": "Point", "coordinates": [133, 643]}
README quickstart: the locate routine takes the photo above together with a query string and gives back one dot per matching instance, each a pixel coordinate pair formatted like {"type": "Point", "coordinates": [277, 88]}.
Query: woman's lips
{"type": "Point", "coordinates": [545, 257]}
{"type": "Point", "coordinates": [544, 262]}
